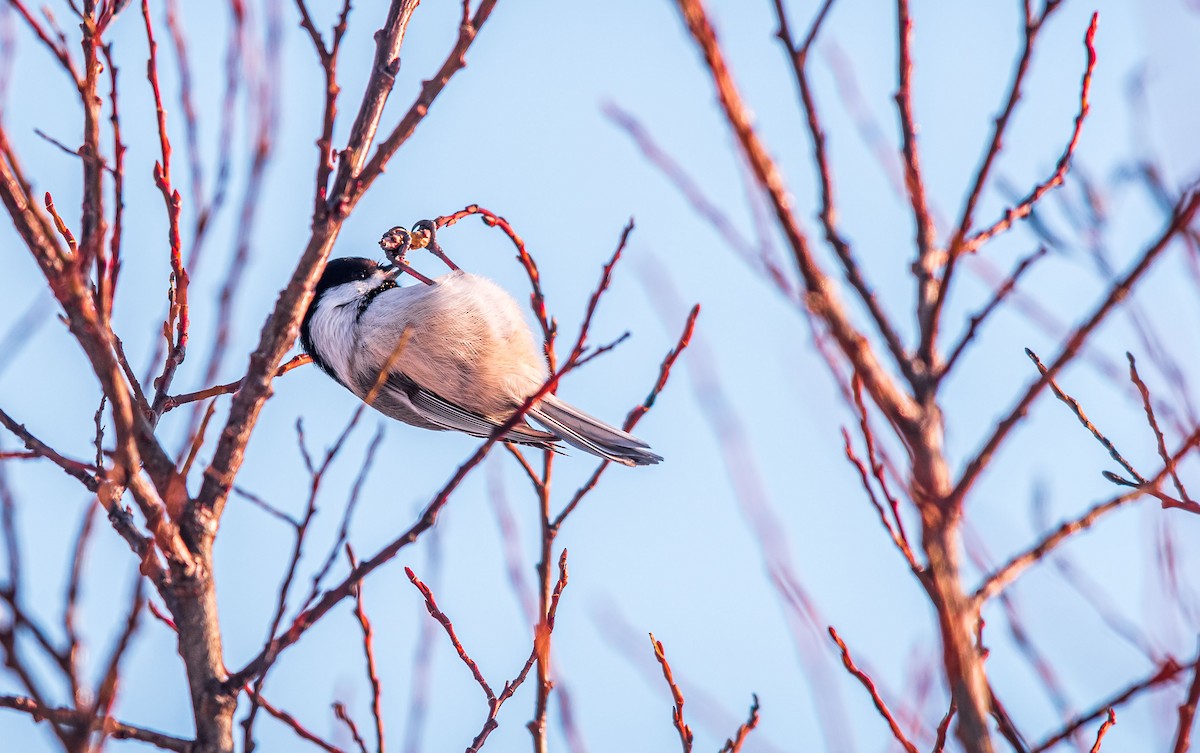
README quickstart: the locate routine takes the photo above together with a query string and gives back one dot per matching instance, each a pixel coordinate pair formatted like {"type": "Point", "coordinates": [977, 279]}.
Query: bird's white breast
{"type": "Point", "coordinates": [468, 340]}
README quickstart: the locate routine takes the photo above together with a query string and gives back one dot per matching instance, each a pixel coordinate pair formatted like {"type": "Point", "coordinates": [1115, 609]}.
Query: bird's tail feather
{"type": "Point", "coordinates": [590, 434]}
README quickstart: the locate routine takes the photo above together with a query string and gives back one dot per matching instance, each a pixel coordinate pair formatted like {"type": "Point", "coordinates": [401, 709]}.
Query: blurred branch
{"type": "Point", "coordinates": [82, 472]}
{"type": "Point", "coordinates": [70, 718]}
{"type": "Point", "coordinates": [1187, 713]}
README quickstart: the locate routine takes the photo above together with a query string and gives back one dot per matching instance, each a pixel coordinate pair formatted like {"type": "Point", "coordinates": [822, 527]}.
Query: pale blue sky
{"type": "Point", "coordinates": [666, 549]}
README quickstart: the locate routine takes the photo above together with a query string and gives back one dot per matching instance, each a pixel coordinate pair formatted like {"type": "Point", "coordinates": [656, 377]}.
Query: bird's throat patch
{"type": "Point", "coordinates": [370, 295]}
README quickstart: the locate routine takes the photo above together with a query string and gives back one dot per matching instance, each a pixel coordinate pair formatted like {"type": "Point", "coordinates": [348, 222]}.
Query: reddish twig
{"type": "Point", "coordinates": [869, 684]}
{"type": "Point", "coordinates": [340, 712]}
{"type": "Point", "coordinates": [1077, 409]}
{"type": "Point", "coordinates": [914, 183]}
{"type": "Point", "coordinates": [1025, 206]}
{"type": "Point", "coordinates": [897, 539]}
{"type": "Point", "coordinates": [685, 732]}
{"type": "Point", "coordinates": [1009, 571]}
{"type": "Point", "coordinates": [61, 226]}
{"type": "Point", "coordinates": [421, 676]}
{"type": "Point", "coordinates": [1187, 712]}
{"type": "Point", "coordinates": [541, 643]}
{"type": "Point", "coordinates": [1168, 461]}
{"type": "Point", "coordinates": [943, 727]}
{"type": "Point", "coordinates": [1104, 728]}
{"type": "Point", "coordinates": [440, 616]}
{"type": "Point", "coordinates": [293, 723]}
{"type": "Point", "coordinates": [175, 401]}
{"type": "Point", "coordinates": [1072, 344]}
{"type": "Point", "coordinates": [79, 720]}
{"type": "Point", "coordinates": [177, 292]}
{"type": "Point", "coordinates": [798, 55]}
{"type": "Point", "coordinates": [57, 48]}
{"type": "Point", "coordinates": [1167, 671]}
{"type": "Point", "coordinates": [537, 299]}
{"type": "Point", "coordinates": [1002, 292]}
{"type": "Point", "coordinates": [877, 471]}
{"type": "Point", "coordinates": [734, 744]}
{"type": "Point", "coordinates": [360, 614]}
{"type": "Point", "coordinates": [635, 415]}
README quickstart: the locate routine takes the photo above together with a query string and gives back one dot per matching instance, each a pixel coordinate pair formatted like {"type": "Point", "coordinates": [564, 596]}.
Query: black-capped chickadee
{"type": "Point", "coordinates": [468, 362]}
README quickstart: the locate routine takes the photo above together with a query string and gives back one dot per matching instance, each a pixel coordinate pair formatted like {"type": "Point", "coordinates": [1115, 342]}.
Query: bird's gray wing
{"type": "Point", "coordinates": [437, 410]}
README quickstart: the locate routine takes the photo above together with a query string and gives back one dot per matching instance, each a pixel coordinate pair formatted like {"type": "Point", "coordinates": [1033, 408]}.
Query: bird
{"type": "Point", "coordinates": [454, 353]}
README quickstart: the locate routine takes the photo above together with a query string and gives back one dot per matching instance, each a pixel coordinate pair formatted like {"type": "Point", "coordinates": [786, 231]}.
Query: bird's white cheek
{"type": "Point", "coordinates": [333, 334]}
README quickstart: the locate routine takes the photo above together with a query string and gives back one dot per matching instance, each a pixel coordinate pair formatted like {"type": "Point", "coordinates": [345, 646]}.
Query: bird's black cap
{"type": "Point", "coordinates": [340, 271]}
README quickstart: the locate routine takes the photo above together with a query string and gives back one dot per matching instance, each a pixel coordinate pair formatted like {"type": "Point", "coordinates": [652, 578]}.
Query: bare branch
{"type": "Point", "coordinates": [1025, 206]}
{"type": "Point", "coordinates": [1077, 409]}
{"type": "Point", "coordinates": [685, 732]}
{"type": "Point", "coordinates": [869, 684]}
{"type": "Point", "coordinates": [1167, 671]}
{"type": "Point", "coordinates": [1119, 290]}
{"type": "Point", "coordinates": [80, 720]}
{"type": "Point", "coordinates": [440, 616]}
{"type": "Point", "coordinates": [820, 296]}
{"type": "Point", "coordinates": [1104, 728]}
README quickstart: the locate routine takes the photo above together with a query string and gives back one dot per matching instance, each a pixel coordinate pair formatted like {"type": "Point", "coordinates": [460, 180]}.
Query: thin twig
{"type": "Point", "coordinates": [1147, 405]}
{"type": "Point", "coordinates": [440, 616]}
{"type": "Point", "coordinates": [1010, 570]}
{"type": "Point", "coordinates": [1026, 205]}
{"type": "Point", "coordinates": [1077, 409]}
{"type": "Point", "coordinates": [734, 744]}
{"type": "Point", "coordinates": [685, 732]}
{"type": "Point", "coordinates": [1072, 344]}
{"type": "Point", "coordinates": [869, 684]}
{"type": "Point", "coordinates": [1167, 671]}
{"type": "Point", "coordinates": [1104, 728]}
{"type": "Point", "coordinates": [80, 720]}
{"type": "Point", "coordinates": [1187, 712]}
{"type": "Point", "coordinates": [360, 614]}
{"type": "Point", "coordinates": [998, 297]}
